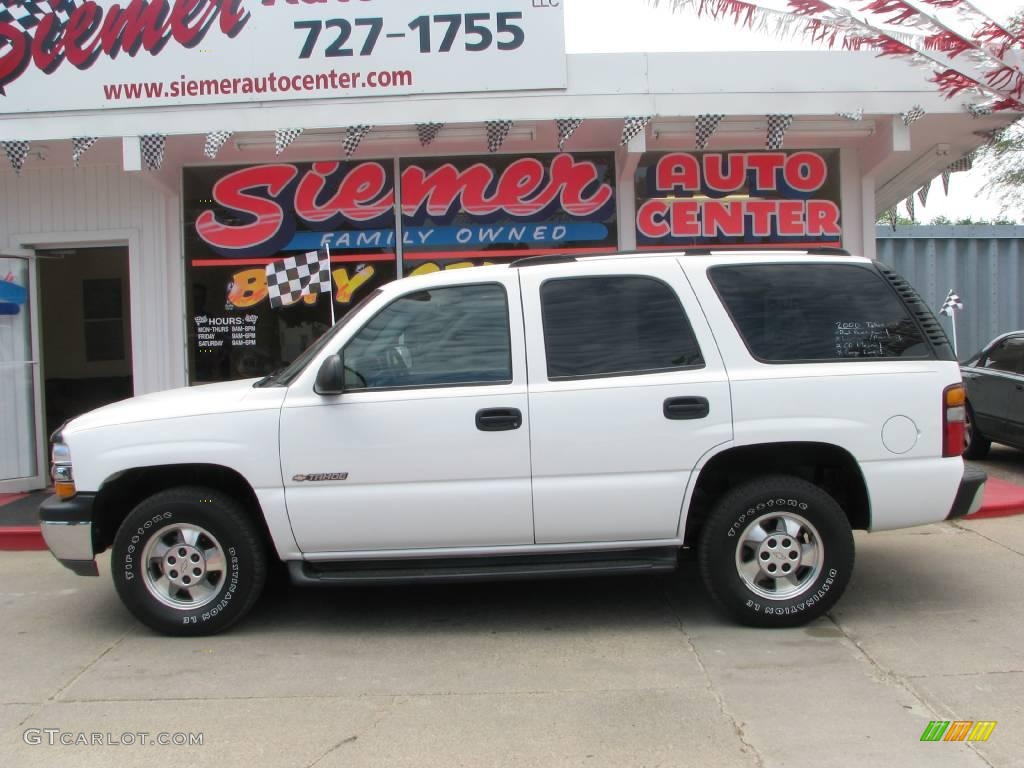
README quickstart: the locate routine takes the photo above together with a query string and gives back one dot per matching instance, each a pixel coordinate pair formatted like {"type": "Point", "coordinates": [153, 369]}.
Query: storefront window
{"type": "Point", "coordinates": [473, 210]}
{"type": "Point", "coordinates": [239, 219]}
{"type": "Point", "coordinates": [774, 199]}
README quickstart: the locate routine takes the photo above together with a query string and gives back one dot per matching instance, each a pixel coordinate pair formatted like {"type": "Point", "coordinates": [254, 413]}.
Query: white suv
{"type": "Point", "coordinates": [554, 416]}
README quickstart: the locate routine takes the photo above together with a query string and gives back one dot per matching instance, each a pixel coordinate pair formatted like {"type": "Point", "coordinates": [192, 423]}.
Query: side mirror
{"type": "Point", "coordinates": [330, 379]}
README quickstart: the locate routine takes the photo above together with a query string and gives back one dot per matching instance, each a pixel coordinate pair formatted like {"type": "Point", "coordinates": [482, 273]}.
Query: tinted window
{"type": "Point", "coordinates": [597, 326]}
{"type": "Point", "coordinates": [1008, 356]}
{"type": "Point", "coordinates": [804, 312]}
{"type": "Point", "coordinates": [443, 336]}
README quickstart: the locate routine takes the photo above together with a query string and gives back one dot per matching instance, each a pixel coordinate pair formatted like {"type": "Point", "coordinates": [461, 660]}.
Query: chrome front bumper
{"type": "Point", "coordinates": [67, 529]}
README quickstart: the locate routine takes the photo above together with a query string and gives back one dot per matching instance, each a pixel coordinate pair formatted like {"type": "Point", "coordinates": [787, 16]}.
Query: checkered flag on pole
{"type": "Point", "coordinates": [497, 131]}
{"type": "Point", "coordinates": [951, 304]}
{"type": "Point", "coordinates": [705, 127]}
{"type": "Point", "coordinates": [214, 141]}
{"type": "Point", "coordinates": [16, 152]}
{"type": "Point", "coordinates": [633, 126]}
{"type": "Point", "coordinates": [353, 136]}
{"type": "Point", "coordinates": [427, 132]}
{"type": "Point", "coordinates": [566, 128]}
{"type": "Point", "coordinates": [153, 145]}
{"type": "Point", "coordinates": [283, 137]}
{"type": "Point", "coordinates": [80, 145]}
{"type": "Point", "coordinates": [912, 115]}
{"type": "Point", "coordinates": [289, 279]}
{"type": "Point", "coordinates": [777, 127]}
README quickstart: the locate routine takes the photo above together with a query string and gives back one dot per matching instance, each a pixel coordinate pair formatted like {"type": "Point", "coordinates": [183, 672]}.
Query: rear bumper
{"type": "Point", "coordinates": [67, 529]}
{"type": "Point", "coordinates": [969, 496]}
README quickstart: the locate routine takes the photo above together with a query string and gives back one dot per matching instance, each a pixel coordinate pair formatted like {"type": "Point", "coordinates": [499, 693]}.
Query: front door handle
{"type": "Point", "coordinates": [498, 419]}
{"type": "Point", "coordinates": [681, 408]}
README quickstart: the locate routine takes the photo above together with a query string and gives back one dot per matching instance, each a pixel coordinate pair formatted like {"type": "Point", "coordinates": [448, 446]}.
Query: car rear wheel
{"type": "Point", "coordinates": [776, 552]}
{"type": "Point", "coordinates": [189, 561]}
{"type": "Point", "coordinates": [976, 445]}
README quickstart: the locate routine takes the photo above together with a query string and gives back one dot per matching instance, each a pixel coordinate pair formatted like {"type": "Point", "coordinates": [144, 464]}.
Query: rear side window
{"type": "Point", "coordinates": [616, 325]}
{"type": "Point", "coordinates": [1008, 356]}
{"type": "Point", "coordinates": [812, 312]}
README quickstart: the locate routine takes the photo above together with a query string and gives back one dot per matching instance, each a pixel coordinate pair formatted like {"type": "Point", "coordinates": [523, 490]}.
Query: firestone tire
{"type": "Point", "coordinates": [976, 445]}
{"type": "Point", "coordinates": [188, 562]}
{"type": "Point", "coordinates": [776, 552]}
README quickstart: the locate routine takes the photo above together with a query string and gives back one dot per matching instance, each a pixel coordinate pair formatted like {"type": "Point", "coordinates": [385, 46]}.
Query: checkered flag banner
{"type": "Point", "coordinates": [153, 145]}
{"type": "Point", "coordinates": [912, 115]}
{"type": "Point", "coordinates": [633, 126]}
{"type": "Point", "coordinates": [80, 145]}
{"type": "Point", "coordinates": [214, 141]}
{"type": "Point", "coordinates": [497, 131]}
{"type": "Point", "coordinates": [965, 163]}
{"type": "Point", "coordinates": [856, 115]}
{"type": "Point", "coordinates": [288, 280]}
{"type": "Point", "coordinates": [566, 128]}
{"type": "Point", "coordinates": [922, 193]}
{"type": "Point", "coordinates": [979, 110]}
{"type": "Point", "coordinates": [353, 136]}
{"type": "Point", "coordinates": [427, 132]}
{"type": "Point", "coordinates": [777, 126]}
{"type": "Point", "coordinates": [909, 202]}
{"type": "Point", "coordinates": [705, 128]}
{"type": "Point", "coordinates": [16, 151]}
{"type": "Point", "coordinates": [283, 137]}
{"type": "Point", "coordinates": [946, 174]}
{"type": "Point", "coordinates": [951, 305]}
{"type": "Point", "coordinates": [28, 13]}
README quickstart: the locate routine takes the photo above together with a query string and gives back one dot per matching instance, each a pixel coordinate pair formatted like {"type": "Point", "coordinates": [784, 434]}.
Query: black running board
{"type": "Point", "coordinates": [497, 568]}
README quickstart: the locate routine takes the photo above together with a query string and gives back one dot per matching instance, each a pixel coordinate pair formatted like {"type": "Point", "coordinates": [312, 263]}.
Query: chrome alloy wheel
{"type": "Point", "coordinates": [779, 557]}
{"type": "Point", "coordinates": [184, 566]}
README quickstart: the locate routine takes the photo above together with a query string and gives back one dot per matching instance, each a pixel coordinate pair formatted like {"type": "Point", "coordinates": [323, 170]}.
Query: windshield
{"type": "Point", "coordinates": [286, 376]}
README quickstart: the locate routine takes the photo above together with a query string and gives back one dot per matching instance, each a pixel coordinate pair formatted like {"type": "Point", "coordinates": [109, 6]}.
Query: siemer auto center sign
{"type": "Point", "coordinates": [58, 55]}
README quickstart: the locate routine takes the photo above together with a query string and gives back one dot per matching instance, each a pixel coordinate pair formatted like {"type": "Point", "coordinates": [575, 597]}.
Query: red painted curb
{"type": "Point", "coordinates": [21, 538]}
{"type": "Point", "coordinates": [1002, 499]}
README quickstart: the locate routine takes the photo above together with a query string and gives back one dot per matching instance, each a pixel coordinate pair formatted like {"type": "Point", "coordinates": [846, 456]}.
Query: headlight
{"type": "Point", "coordinates": [60, 471]}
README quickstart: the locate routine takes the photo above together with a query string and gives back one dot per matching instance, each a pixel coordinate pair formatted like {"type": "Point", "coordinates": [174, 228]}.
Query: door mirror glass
{"type": "Point", "coordinates": [330, 379]}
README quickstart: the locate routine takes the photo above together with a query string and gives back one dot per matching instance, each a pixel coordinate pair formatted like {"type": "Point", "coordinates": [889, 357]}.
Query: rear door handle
{"type": "Point", "coordinates": [681, 408]}
{"type": "Point", "coordinates": [498, 419]}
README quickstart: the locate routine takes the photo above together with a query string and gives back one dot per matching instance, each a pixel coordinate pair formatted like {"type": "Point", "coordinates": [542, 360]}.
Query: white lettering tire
{"type": "Point", "coordinates": [188, 561]}
{"type": "Point", "coordinates": [776, 551]}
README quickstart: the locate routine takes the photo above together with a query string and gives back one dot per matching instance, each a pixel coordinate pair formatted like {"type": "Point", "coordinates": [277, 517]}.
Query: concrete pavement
{"type": "Point", "coordinates": [608, 672]}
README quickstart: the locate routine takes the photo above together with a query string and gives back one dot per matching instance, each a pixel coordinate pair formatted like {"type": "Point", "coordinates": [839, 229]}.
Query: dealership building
{"type": "Point", "coordinates": [154, 166]}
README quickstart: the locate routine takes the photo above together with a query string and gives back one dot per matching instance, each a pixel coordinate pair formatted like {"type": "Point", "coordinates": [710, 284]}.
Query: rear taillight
{"type": "Point", "coordinates": [953, 414]}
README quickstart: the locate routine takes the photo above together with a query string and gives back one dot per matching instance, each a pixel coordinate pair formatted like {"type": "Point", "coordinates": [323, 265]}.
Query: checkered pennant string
{"type": "Point", "coordinates": [214, 141]}
{"type": "Point", "coordinates": [16, 152]}
{"type": "Point", "coordinates": [307, 274]}
{"type": "Point", "coordinates": [705, 127]}
{"type": "Point", "coordinates": [979, 110]}
{"type": "Point", "coordinates": [856, 115]}
{"type": "Point", "coordinates": [922, 193]}
{"type": "Point", "coordinates": [283, 137]}
{"type": "Point", "coordinates": [909, 202]}
{"type": "Point", "coordinates": [952, 304]}
{"type": "Point", "coordinates": [80, 145]}
{"type": "Point", "coordinates": [945, 180]}
{"type": "Point", "coordinates": [777, 126]}
{"type": "Point", "coordinates": [632, 126]}
{"type": "Point", "coordinates": [153, 145]}
{"type": "Point", "coordinates": [566, 127]}
{"type": "Point", "coordinates": [353, 136]}
{"type": "Point", "coordinates": [892, 217]}
{"type": "Point", "coordinates": [497, 131]}
{"type": "Point", "coordinates": [427, 132]}
{"type": "Point", "coordinates": [965, 163]}
{"type": "Point", "coordinates": [912, 115]}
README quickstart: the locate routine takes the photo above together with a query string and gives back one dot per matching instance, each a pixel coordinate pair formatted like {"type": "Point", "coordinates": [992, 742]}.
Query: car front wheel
{"type": "Point", "coordinates": [776, 552]}
{"type": "Point", "coordinates": [188, 561]}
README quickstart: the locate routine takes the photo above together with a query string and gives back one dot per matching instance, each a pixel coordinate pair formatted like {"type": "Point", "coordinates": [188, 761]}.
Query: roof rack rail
{"type": "Point", "coordinates": [827, 251]}
{"type": "Point", "coordinates": [539, 261]}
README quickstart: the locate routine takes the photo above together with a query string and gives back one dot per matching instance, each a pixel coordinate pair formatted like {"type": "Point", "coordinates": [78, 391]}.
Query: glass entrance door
{"type": "Point", "coordinates": [20, 468]}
